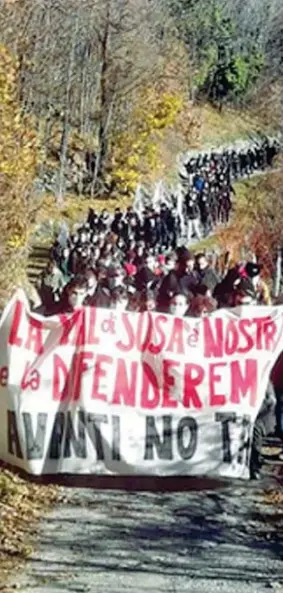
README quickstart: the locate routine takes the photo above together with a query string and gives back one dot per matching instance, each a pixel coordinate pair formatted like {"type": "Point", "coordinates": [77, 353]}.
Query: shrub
{"type": "Point", "coordinates": [19, 156]}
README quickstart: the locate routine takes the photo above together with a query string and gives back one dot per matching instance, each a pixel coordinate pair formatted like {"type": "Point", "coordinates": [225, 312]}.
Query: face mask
{"type": "Point", "coordinates": [76, 300]}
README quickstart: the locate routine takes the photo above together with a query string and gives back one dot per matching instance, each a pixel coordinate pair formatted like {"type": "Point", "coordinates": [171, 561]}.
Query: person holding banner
{"type": "Point", "coordinates": [178, 304]}
{"type": "Point", "coordinates": [51, 284]}
{"type": "Point", "coordinates": [265, 424]}
{"type": "Point", "coordinates": [73, 297]}
{"type": "Point", "coordinates": [182, 279]}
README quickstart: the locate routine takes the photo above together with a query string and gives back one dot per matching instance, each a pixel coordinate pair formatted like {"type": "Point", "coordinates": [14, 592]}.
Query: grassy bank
{"type": "Point", "coordinates": [212, 129]}
{"type": "Point", "coordinates": [230, 125]}
{"type": "Point", "coordinates": [75, 209]}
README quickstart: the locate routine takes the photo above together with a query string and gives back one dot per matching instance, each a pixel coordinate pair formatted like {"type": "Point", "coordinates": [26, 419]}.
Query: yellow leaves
{"type": "Point", "coordinates": [274, 497]}
{"type": "Point", "coordinates": [16, 241]}
{"type": "Point", "coordinates": [165, 111]}
{"type": "Point", "coordinates": [18, 142]}
{"type": "Point", "coordinates": [19, 157]}
{"type": "Point", "coordinates": [135, 151]}
{"type": "Point", "coordinates": [133, 160]}
{"type": "Point", "coordinates": [21, 504]}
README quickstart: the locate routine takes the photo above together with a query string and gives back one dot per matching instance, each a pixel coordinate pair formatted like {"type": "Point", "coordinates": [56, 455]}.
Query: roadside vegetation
{"type": "Point", "coordinates": [21, 506]}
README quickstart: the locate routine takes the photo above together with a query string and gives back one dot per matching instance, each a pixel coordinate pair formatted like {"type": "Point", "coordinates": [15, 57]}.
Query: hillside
{"type": "Point", "coordinates": [209, 128]}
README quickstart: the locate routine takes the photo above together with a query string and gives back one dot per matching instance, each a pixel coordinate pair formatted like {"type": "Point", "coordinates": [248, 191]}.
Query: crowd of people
{"type": "Point", "coordinates": [127, 256]}
{"type": "Point", "coordinates": [208, 179]}
{"type": "Point", "coordinates": [125, 263]}
{"type": "Point", "coordinates": [180, 284]}
{"type": "Point", "coordinates": [139, 280]}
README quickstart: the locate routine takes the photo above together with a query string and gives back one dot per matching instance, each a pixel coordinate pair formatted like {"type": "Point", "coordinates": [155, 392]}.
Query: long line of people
{"type": "Point", "coordinates": [134, 263]}
{"type": "Point", "coordinates": [136, 249]}
{"type": "Point", "coordinates": [207, 180]}
{"type": "Point", "coordinates": [180, 284]}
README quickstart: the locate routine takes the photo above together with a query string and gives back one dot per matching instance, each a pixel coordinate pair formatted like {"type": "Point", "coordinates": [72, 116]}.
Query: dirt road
{"type": "Point", "coordinates": [226, 540]}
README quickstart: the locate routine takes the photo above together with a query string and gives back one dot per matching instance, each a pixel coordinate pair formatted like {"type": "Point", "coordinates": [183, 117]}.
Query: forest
{"type": "Point", "coordinates": [102, 80]}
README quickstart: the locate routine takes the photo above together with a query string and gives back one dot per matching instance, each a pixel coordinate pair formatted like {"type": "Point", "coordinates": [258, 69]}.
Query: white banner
{"type": "Point", "coordinates": [104, 392]}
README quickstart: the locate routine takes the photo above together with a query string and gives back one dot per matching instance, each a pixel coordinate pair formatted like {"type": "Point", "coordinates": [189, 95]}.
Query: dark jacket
{"type": "Point", "coordinates": [266, 413]}
{"type": "Point", "coordinates": [144, 278]}
{"type": "Point", "coordinates": [265, 423]}
{"type": "Point", "coordinates": [173, 283]}
{"type": "Point", "coordinates": [59, 308]}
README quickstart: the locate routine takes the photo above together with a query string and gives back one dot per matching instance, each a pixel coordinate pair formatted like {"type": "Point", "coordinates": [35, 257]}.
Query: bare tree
{"type": "Point", "coordinates": [82, 66]}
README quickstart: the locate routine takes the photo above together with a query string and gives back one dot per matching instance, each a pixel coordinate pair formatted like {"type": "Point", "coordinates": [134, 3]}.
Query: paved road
{"type": "Point", "coordinates": [223, 540]}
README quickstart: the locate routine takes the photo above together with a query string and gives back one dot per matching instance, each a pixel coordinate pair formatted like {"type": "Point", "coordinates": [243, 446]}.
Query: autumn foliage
{"type": "Point", "coordinates": [135, 150]}
{"type": "Point", "coordinates": [256, 226]}
{"type": "Point", "coordinates": [18, 161]}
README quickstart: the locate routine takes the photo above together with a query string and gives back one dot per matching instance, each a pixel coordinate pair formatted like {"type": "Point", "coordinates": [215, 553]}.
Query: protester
{"type": "Point", "coordinates": [245, 294]}
{"type": "Point", "coordinates": [72, 298]}
{"type": "Point", "coordinates": [147, 301]}
{"type": "Point", "coordinates": [119, 299]}
{"type": "Point", "coordinates": [91, 288]}
{"type": "Point", "coordinates": [265, 424]}
{"type": "Point", "coordinates": [206, 275]}
{"type": "Point", "coordinates": [182, 279]}
{"type": "Point", "coordinates": [262, 291]}
{"type": "Point", "coordinates": [178, 304]}
{"type": "Point", "coordinates": [277, 382]}
{"type": "Point", "coordinates": [51, 285]}
{"type": "Point", "coordinates": [202, 305]}
{"type": "Point", "coordinates": [139, 261]}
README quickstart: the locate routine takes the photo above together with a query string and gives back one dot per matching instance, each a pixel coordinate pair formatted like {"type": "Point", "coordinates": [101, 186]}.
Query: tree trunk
{"type": "Point", "coordinates": [103, 147]}
{"type": "Point", "coordinates": [83, 92]}
{"type": "Point", "coordinates": [65, 131]}
{"type": "Point", "coordinates": [104, 117]}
